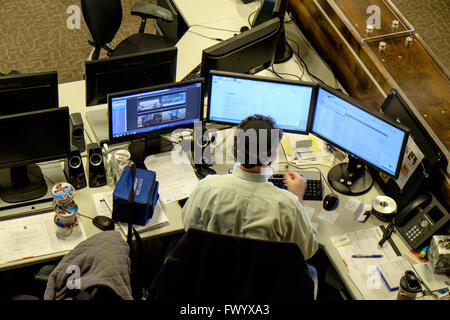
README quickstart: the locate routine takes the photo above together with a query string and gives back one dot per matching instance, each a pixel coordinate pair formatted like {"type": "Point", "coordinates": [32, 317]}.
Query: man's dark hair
{"type": "Point", "coordinates": [256, 140]}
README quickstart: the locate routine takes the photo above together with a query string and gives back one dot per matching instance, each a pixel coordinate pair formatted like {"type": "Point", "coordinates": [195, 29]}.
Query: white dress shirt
{"type": "Point", "coordinates": [246, 204]}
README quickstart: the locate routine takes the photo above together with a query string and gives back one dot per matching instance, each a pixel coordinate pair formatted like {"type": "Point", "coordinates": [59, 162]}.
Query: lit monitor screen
{"type": "Point", "coordinates": [148, 112]}
{"type": "Point", "coordinates": [233, 97]}
{"type": "Point", "coordinates": [364, 134]}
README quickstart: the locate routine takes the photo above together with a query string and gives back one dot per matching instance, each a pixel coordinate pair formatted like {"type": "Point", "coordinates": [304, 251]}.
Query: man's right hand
{"type": "Point", "coordinates": [295, 183]}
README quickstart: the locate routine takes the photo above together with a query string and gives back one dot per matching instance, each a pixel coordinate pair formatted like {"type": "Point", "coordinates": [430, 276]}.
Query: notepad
{"type": "Point", "coordinates": [391, 272]}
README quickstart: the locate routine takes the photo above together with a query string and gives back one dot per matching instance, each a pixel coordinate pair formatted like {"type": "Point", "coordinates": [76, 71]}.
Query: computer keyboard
{"type": "Point", "coordinates": [313, 188]}
{"type": "Point", "coordinates": [194, 74]}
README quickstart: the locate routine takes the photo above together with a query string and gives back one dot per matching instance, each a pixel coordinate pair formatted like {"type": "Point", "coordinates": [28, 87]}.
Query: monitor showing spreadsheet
{"type": "Point", "coordinates": [234, 96]}
{"type": "Point", "coordinates": [366, 135]}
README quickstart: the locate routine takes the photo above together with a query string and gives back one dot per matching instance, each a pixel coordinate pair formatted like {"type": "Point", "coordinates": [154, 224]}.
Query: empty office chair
{"type": "Point", "coordinates": [206, 266]}
{"type": "Point", "coordinates": [104, 17]}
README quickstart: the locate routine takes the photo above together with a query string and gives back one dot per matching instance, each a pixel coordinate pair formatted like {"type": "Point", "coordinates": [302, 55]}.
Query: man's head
{"type": "Point", "coordinates": [256, 141]}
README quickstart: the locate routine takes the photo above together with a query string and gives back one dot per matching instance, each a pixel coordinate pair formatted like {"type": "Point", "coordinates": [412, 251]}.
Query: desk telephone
{"type": "Point", "coordinates": [420, 219]}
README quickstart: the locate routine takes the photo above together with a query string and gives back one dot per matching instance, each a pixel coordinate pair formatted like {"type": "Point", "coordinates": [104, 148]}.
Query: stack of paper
{"type": "Point", "coordinates": [363, 271]}
{"type": "Point", "coordinates": [34, 236]}
{"type": "Point", "coordinates": [174, 173]}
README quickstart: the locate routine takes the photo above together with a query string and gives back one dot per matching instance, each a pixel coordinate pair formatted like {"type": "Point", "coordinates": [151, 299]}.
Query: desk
{"type": "Point", "coordinates": [189, 55]}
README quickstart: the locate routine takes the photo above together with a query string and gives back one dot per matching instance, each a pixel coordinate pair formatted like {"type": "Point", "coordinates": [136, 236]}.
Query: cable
{"type": "Point", "coordinates": [220, 29]}
{"type": "Point", "coordinates": [207, 37]}
{"type": "Point", "coordinates": [278, 74]}
{"type": "Point", "coordinates": [89, 137]}
{"type": "Point", "coordinates": [297, 54]}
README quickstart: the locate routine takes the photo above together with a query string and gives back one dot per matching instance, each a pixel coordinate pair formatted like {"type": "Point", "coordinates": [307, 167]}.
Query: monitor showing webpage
{"type": "Point", "coordinates": [155, 110]}
{"type": "Point", "coordinates": [233, 97]}
{"type": "Point", "coordinates": [359, 132]}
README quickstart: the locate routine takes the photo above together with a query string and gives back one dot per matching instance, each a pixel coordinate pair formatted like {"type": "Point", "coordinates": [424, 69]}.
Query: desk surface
{"type": "Point", "coordinates": [189, 55]}
{"type": "Point", "coordinates": [205, 11]}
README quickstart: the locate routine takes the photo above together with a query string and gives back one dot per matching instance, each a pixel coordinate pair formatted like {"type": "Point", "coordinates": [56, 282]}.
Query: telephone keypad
{"type": "Point", "coordinates": [413, 233]}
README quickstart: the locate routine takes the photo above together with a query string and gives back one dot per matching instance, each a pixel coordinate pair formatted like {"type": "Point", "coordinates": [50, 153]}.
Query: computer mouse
{"type": "Point", "coordinates": [330, 202]}
{"type": "Point", "coordinates": [103, 223]}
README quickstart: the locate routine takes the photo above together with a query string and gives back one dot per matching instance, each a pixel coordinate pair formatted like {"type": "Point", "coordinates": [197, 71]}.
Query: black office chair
{"type": "Point", "coordinates": [104, 17]}
{"type": "Point", "coordinates": [206, 266]}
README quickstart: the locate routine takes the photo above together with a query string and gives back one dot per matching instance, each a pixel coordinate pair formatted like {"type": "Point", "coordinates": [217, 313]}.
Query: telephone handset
{"type": "Point", "coordinates": [420, 219]}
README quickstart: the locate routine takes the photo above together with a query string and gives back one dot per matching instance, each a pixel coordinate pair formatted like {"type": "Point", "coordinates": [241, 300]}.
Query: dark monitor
{"type": "Point", "coordinates": [275, 9]}
{"type": "Point", "coordinates": [29, 138]}
{"type": "Point", "coordinates": [129, 72]}
{"type": "Point", "coordinates": [367, 136]}
{"type": "Point", "coordinates": [233, 97]}
{"type": "Point", "coordinates": [248, 52]}
{"type": "Point", "coordinates": [28, 92]}
{"type": "Point", "coordinates": [149, 112]}
{"type": "Point", "coordinates": [398, 110]}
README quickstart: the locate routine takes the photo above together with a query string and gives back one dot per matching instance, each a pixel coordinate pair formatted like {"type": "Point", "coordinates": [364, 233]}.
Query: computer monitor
{"type": "Point", "coordinates": [149, 112]}
{"type": "Point", "coordinates": [398, 110]}
{"type": "Point", "coordinates": [28, 92]}
{"type": "Point", "coordinates": [367, 136]}
{"type": "Point", "coordinates": [233, 97]}
{"type": "Point", "coordinates": [275, 9]}
{"type": "Point", "coordinates": [129, 72]}
{"type": "Point", "coordinates": [248, 52]}
{"type": "Point", "coordinates": [26, 139]}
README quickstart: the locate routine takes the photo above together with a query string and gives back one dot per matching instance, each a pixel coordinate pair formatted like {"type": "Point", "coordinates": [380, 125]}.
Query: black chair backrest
{"type": "Point", "coordinates": [103, 18]}
{"type": "Point", "coordinates": [214, 267]}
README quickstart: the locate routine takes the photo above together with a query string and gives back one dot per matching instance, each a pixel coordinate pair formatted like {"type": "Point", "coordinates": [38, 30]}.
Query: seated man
{"type": "Point", "coordinates": [244, 203]}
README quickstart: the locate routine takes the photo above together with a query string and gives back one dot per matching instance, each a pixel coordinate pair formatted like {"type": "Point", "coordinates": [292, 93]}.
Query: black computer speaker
{"type": "Point", "coordinates": [74, 170]}
{"type": "Point", "coordinates": [96, 167]}
{"type": "Point", "coordinates": [77, 131]}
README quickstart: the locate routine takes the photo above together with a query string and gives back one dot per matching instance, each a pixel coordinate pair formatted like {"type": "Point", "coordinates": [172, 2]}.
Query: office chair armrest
{"type": "Point", "coordinates": [149, 10]}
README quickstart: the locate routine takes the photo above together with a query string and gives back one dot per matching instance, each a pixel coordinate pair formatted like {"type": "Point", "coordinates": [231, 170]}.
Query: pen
{"type": "Point", "coordinates": [367, 256]}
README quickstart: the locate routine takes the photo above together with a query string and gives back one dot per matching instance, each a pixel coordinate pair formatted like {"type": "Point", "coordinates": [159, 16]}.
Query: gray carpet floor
{"type": "Point", "coordinates": [431, 19]}
{"type": "Point", "coordinates": [34, 36]}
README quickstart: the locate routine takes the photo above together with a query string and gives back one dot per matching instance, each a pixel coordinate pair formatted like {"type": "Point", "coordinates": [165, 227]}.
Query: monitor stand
{"type": "Point", "coordinates": [98, 122]}
{"type": "Point", "coordinates": [283, 52]}
{"type": "Point", "coordinates": [22, 183]}
{"type": "Point", "coordinates": [350, 178]}
{"type": "Point", "coordinates": [141, 148]}
{"type": "Point", "coordinates": [53, 173]}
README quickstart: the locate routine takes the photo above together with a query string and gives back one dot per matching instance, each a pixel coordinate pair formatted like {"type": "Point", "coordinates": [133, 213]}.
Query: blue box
{"type": "Point", "coordinates": [146, 196]}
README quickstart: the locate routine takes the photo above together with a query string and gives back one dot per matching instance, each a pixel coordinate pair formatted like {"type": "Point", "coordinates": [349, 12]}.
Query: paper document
{"type": "Point", "coordinates": [104, 204]}
{"type": "Point", "coordinates": [363, 242]}
{"type": "Point", "coordinates": [363, 271]}
{"type": "Point", "coordinates": [328, 216]}
{"type": "Point", "coordinates": [411, 160]}
{"type": "Point", "coordinates": [176, 180]}
{"type": "Point", "coordinates": [392, 271]}
{"type": "Point", "coordinates": [34, 236]}
{"type": "Point", "coordinates": [431, 280]}
{"type": "Point", "coordinates": [309, 150]}
{"type": "Point", "coordinates": [358, 208]}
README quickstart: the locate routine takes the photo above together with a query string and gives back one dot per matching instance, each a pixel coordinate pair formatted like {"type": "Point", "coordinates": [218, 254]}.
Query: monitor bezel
{"type": "Point", "coordinates": [92, 69]}
{"type": "Point", "coordinates": [428, 161]}
{"type": "Point", "coordinates": [263, 79]}
{"type": "Point", "coordinates": [153, 133]}
{"type": "Point", "coordinates": [374, 113]}
{"type": "Point", "coordinates": [34, 80]}
{"type": "Point", "coordinates": [210, 55]}
{"type": "Point", "coordinates": [63, 109]}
